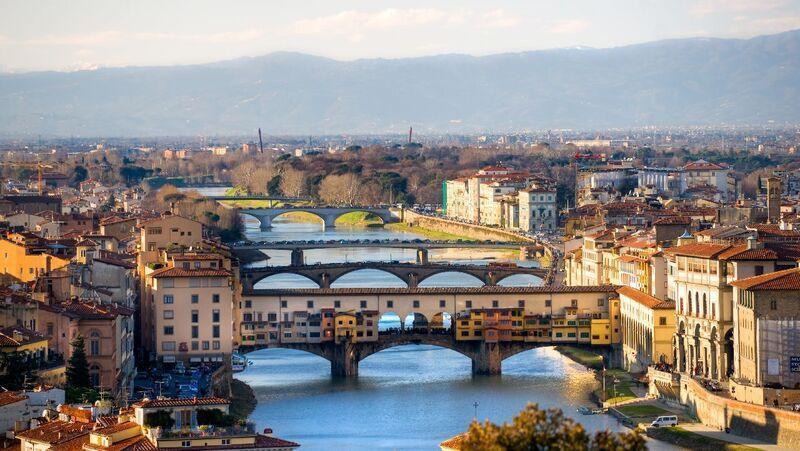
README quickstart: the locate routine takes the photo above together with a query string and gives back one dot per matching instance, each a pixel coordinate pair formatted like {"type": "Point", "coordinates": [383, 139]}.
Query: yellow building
{"type": "Point", "coordinates": [26, 256]}
{"type": "Point", "coordinates": [648, 325]}
{"type": "Point", "coordinates": [345, 326]}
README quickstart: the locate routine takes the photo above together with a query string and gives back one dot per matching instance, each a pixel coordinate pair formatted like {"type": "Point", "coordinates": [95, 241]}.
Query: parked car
{"type": "Point", "coordinates": [665, 421]}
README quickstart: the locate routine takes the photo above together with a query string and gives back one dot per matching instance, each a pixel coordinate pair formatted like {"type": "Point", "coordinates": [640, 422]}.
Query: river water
{"type": "Point", "coordinates": [409, 397]}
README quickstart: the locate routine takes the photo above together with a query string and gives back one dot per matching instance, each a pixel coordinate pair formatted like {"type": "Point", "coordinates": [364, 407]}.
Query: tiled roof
{"type": "Point", "coordinates": [180, 272]}
{"type": "Point", "coordinates": [741, 252]}
{"type": "Point", "coordinates": [57, 432]}
{"type": "Point", "coordinates": [182, 402]}
{"type": "Point", "coordinates": [23, 336]}
{"type": "Point", "coordinates": [88, 310]}
{"type": "Point", "coordinates": [645, 299]}
{"type": "Point", "coordinates": [453, 442]}
{"type": "Point", "coordinates": [703, 165]}
{"type": "Point", "coordinates": [704, 250]}
{"type": "Point", "coordinates": [115, 262]}
{"type": "Point", "coordinates": [108, 430]}
{"type": "Point", "coordinates": [10, 397]}
{"type": "Point", "coordinates": [135, 443]}
{"type": "Point", "coordinates": [788, 279]}
{"type": "Point", "coordinates": [673, 220]}
{"type": "Point", "coordinates": [438, 290]}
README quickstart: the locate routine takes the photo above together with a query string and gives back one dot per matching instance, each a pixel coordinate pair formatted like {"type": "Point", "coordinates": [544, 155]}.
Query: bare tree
{"type": "Point", "coordinates": [339, 189]}
{"type": "Point", "coordinates": [254, 176]}
{"type": "Point", "coordinates": [293, 182]}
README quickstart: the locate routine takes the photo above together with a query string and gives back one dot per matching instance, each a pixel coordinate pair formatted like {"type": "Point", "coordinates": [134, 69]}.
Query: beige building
{"type": "Point", "coordinates": [766, 323]}
{"type": "Point", "coordinates": [648, 324]}
{"type": "Point", "coordinates": [192, 300]}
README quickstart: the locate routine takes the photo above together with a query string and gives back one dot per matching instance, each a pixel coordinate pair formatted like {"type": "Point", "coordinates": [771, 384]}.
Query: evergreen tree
{"type": "Point", "coordinates": [78, 366]}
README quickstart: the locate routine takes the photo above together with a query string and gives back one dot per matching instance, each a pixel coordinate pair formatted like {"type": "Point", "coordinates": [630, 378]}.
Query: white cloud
{"type": "Point", "coordinates": [395, 18]}
{"type": "Point", "coordinates": [706, 7]}
{"type": "Point", "coordinates": [571, 26]}
{"type": "Point", "coordinates": [111, 37]}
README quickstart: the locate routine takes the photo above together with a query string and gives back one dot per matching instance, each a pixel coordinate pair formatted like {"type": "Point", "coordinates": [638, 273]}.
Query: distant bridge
{"type": "Point", "coordinates": [412, 274]}
{"type": "Point", "coordinates": [387, 244]}
{"type": "Point", "coordinates": [328, 215]}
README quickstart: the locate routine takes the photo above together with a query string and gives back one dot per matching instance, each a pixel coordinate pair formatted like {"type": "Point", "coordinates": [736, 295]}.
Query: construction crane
{"type": "Point", "coordinates": [39, 172]}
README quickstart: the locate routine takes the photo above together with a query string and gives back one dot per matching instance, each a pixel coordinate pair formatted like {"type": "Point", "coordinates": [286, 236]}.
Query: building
{"type": "Point", "coordinates": [26, 256]}
{"type": "Point", "coordinates": [168, 424]}
{"type": "Point", "coordinates": [774, 200]}
{"type": "Point", "coordinates": [537, 209]}
{"type": "Point", "coordinates": [29, 204]}
{"type": "Point", "coordinates": [701, 174]}
{"type": "Point", "coordinates": [668, 181]}
{"type": "Point", "coordinates": [766, 321]}
{"type": "Point", "coordinates": [107, 331]}
{"type": "Point", "coordinates": [648, 325]}
{"type": "Point", "coordinates": [198, 288]}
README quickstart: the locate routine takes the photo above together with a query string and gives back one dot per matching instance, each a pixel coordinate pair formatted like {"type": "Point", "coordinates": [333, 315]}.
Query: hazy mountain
{"type": "Point", "coordinates": [674, 82]}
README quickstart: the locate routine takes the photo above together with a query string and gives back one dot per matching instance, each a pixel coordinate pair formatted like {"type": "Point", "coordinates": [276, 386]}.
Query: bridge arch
{"type": "Point", "coordinates": [515, 280]}
{"type": "Point", "coordinates": [298, 277]}
{"type": "Point", "coordinates": [433, 279]}
{"type": "Point", "coordinates": [335, 216]}
{"type": "Point", "coordinates": [337, 279]}
{"type": "Point", "coordinates": [311, 212]}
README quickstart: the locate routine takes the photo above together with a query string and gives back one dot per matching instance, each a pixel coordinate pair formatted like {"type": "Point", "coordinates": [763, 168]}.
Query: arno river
{"type": "Point", "coordinates": [410, 397]}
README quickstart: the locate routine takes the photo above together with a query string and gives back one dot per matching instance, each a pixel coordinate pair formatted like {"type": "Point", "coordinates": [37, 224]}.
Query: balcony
{"type": "Point", "coordinates": [202, 431]}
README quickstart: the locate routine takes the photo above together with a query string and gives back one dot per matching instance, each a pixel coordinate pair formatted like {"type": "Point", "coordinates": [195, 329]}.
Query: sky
{"type": "Point", "coordinates": [68, 35]}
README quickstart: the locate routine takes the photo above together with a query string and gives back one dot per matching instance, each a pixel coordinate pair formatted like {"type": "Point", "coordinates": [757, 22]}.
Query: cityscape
{"type": "Point", "coordinates": [261, 232]}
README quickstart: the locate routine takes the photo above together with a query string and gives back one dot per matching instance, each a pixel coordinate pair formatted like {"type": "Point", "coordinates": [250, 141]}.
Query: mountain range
{"type": "Point", "coordinates": [680, 82]}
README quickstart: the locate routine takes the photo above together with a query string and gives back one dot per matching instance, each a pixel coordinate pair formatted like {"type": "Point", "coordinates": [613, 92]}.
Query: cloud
{"type": "Point", "coordinates": [706, 7]}
{"type": "Point", "coordinates": [112, 37]}
{"type": "Point", "coordinates": [395, 18]}
{"type": "Point", "coordinates": [571, 26]}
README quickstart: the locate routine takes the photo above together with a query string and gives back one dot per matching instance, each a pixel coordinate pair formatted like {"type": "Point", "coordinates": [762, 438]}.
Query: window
{"type": "Point", "coordinates": [215, 344]}
{"type": "Point", "coordinates": [215, 298]}
{"type": "Point", "coordinates": [94, 347]}
{"type": "Point", "coordinates": [416, 304]}
{"type": "Point", "coordinates": [521, 303]}
{"type": "Point", "coordinates": [195, 298]}
{"type": "Point", "coordinates": [284, 304]}
{"type": "Point", "coordinates": [49, 329]}
{"type": "Point", "coordinates": [205, 346]}
{"type": "Point", "coordinates": [185, 265]}
{"type": "Point", "coordinates": [574, 302]}
{"type": "Point", "coordinates": [469, 304]}
{"type": "Point", "coordinates": [169, 314]}
{"type": "Point", "coordinates": [215, 316]}
{"type": "Point", "coordinates": [168, 299]}
{"type": "Point", "coordinates": [169, 330]}
{"type": "Point", "coordinates": [389, 304]}
{"type": "Point", "coordinates": [196, 265]}
{"type": "Point", "coordinates": [601, 302]}
{"type": "Point", "coordinates": [773, 305]}
{"type": "Point", "coordinates": [186, 443]}
{"type": "Point", "coordinates": [154, 230]}
{"type": "Point", "coordinates": [337, 304]}
{"type": "Point", "coordinates": [168, 346]}
{"type": "Point", "coordinates": [662, 321]}
{"type": "Point", "coordinates": [363, 304]}
{"type": "Point", "coordinates": [495, 304]}
{"type": "Point", "coordinates": [442, 303]}
{"type": "Point", "coordinates": [548, 303]}
{"type": "Point", "coordinates": [195, 316]}
{"type": "Point", "coordinates": [195, 332]}
{"type": "Point", "coordinates": [248, 304]}
{"type": "Point", "coordinates": [759, 270]}
{"type": "Point", "coordinates": [195, 345]}
{"type": "Point", "coordinates": [215, 331]}
{"type": "Point", "coordinates": [310, 304]}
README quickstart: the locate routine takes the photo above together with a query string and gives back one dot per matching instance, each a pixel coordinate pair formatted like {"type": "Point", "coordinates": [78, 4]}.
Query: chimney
{"type": "Point", "coordinates": [752, 243]}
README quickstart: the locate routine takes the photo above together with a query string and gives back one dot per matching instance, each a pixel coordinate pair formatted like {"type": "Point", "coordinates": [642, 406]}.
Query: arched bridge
{"type": "Point", "coordinates": [486, 357]}
{"type": "Point", "coordinates": [327, 214]}
{"type": "Point", "coordinates": [412, 274]}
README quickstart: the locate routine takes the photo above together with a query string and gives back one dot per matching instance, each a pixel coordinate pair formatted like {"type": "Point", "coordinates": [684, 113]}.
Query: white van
{"type": "Point", "coordinates": [665, 421]}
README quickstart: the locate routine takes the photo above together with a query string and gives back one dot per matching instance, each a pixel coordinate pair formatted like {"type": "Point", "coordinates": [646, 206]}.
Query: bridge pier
{"type": "Point", "coordinates": [422, 256]}
{"type": "Point", "coordinates": [297, 257]}
{"type": "Point", "coordinates": [330, 221]}
{"type": "Point", "coordinates": [344, 361]}
{"type": "Point", "coordinates": [488, 360]}
{"type": "Point", "coordinates": [266, 223]}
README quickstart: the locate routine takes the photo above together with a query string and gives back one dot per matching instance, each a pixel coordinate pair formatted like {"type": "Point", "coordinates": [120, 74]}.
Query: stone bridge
{"type": "Point", "coordinates": [327, 214]}
{"type": "Point", "coordinates": [412, 274]}
{"type": "Point", "coordinates": [486, 357]}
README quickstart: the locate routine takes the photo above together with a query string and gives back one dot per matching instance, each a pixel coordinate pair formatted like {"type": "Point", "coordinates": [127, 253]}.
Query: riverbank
{"type": "Point", "coordinates": [679, 436]}
{"type": "Point", "coordinates": [427, 233]}
{"type": "Point", "coordinates": [243, 400]}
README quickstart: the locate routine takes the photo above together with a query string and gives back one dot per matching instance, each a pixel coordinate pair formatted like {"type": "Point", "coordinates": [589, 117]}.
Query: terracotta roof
{"type": "Point", "coordinates": [10, 397]}
{"type": "Point", "coordinates": [741, 252]}
{"type": "Point", "coordinates": [645, 299]}
{"type": "Point", "coordinates": [453, 442]}
{"type": "Point", "coordinates": [704, 250]}
{"type": "Point", "coordinates": [788, 279]}
{"type": "Point", "coordinates": [703, 165]}
{"type": "Point", "coordinates": [88, 310]}
{"type": "Point", "coordinates": [108, 430]}
{"type": "Point", "coordinates": [180, 272]}
{"type": "Point", "coordinates": [115, 262]}
{"type": "Point", "coordinates": [192, 256]}
{"type": "Point", "coordinates": [673, 220]}
{"type": "Point", "coordinates": [57, 432]}
{"type": "Point", "coordinates": [135, 443]}
{"type": "Point", "coordinates": [181, 402]}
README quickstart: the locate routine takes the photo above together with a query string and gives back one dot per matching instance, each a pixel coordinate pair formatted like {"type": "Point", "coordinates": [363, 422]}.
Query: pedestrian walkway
{"type": "Point", "coordinates": [701, 429]}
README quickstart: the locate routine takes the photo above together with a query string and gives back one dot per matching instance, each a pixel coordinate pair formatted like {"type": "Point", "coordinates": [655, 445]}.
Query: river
{"type": "Point", "coordinates": [409, 397]}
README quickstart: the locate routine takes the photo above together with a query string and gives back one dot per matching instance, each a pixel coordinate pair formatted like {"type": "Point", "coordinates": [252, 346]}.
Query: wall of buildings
{"type": "Point", "coordinates": [459, 228]}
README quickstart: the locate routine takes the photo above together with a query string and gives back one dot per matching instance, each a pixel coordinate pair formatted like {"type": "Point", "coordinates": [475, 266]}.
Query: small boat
{"type": "Point", "coordinates": [583, 410]}
{"type": "Point", "coordinates": [598, 411]}
{"type": "Point", "coordinates": [239, 363]}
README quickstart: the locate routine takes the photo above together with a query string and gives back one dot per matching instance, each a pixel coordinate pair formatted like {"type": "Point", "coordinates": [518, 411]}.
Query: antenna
{"type": "Point", "coordinates": [260, 142]}
{"type": "Point", "coordinates": [410, 133]}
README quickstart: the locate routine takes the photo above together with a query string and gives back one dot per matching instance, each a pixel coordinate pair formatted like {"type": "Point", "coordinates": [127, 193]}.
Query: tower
{"type": "Point", "coordinates": [773, 200]}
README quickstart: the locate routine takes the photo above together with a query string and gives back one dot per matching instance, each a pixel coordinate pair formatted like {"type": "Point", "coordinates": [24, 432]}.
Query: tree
{"type": "Point", "coordinates": [79, 175]}
{"type": "Point", "coordinates": [16, 367]}
{"type": "Point", "coordinates": [293, 182]}
{"type": "Point", "coordinates": [534, 429]}
{"type": "Point", "coordinates": [339, 189]}
{"type": "Point", "coordinates": [78, 366]}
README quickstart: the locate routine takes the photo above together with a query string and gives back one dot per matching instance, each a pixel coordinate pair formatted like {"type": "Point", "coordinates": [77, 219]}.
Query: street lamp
{"type": "Point", "coordinates": [475, 405]}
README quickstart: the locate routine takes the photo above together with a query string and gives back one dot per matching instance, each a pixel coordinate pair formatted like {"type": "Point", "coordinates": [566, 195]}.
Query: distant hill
{"type": "Point", "coordinates": [673, 82]}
